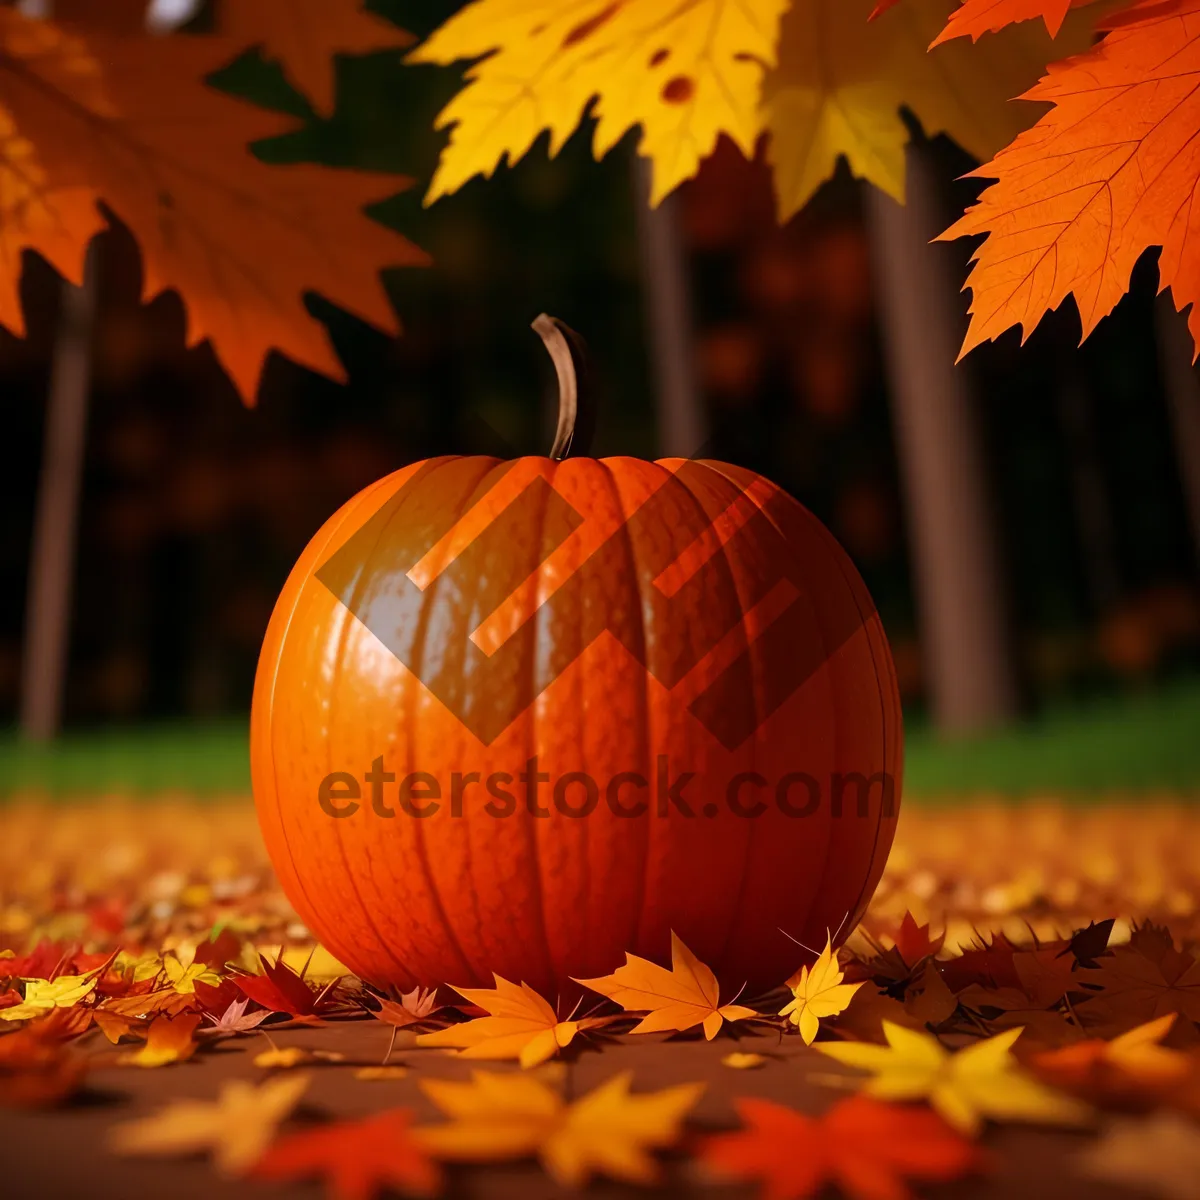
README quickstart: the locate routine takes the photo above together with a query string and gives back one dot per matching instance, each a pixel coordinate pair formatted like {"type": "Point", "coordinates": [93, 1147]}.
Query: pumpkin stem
{"type": "Point", "coordinates": [576, 406]}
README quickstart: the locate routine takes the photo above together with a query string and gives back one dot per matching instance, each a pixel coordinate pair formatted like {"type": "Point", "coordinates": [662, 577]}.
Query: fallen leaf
{"type": "Point", "coordinates": [606, 1132]}
{"type": "Point", "coordinates": [740, 1060]}
{"type": "Point", "coordinates": [520, 1024]}
{"type": "Point", "coordinates": [864, 1147]}
{"type": "Point", "coordinates": [678, 999]}
{"type": "Point", "coordinates": [280, 989]}
{"type": "Point", "coordinates": [914, 942]}
{"type": "Point", "coordinates": [981, 1081]}
{"type": "Point", "coordinates": [1133, 1060]}
{"type": "Point", "coordinates": [1108, 172]}
{"type": "Point", "coordinates": [684, 72]}
{"type": "Point", "coordinates": [411, 1008]}
{"type": "Point", "coordinates": [380, 1074]}
{"type": "Point", "coordinates": [114, 1026]}
{"type": "Point", "coordinates": [235, 1019]}
{"type": "Point", "coordinates": [1158, 1154]}
{"type": "Point", "coordinates": [42, 995]}
{"type": "Point", "coordinates": [304, 35]}
{"type": "Point", "coordinates": [236, 1128]}
{"type": "Point", "coordinates": [358, 1159]}
{"type": "Point", "coordinates": [168, 1040]}
{"type": "Point", "coordinates": [36, 1071]}
{"type": "Point", "coordinates": [184, 975]}
{"type": "Point", "coordinates": [818, 993]}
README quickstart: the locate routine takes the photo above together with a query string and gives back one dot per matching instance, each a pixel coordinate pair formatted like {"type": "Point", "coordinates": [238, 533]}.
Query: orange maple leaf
{"type": "Point", "coordinates": [974, 18]}
{"type": "Point", "coordinates": [303, 35]}
{"type": "Point", "coordinates": [358, 1158]}
{"type": "Point", "coordinates": [520, 1024]}
{"type": "Point", "coordinates": [128, 122]}
{"type": "Point", "coordinates": [866, 1147]}
{"type": "Point", "coordinates": [1111, 170]}
{"type": "Point", "coordinates": [675, 1000]}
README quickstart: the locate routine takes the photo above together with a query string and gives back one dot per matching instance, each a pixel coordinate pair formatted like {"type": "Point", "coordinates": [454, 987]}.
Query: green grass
{"type": "Point", "coordinates": [1138, 744]}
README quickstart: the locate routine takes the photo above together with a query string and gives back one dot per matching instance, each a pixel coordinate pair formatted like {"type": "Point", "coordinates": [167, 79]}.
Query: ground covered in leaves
{"type": "Point", "coordinates": [1018, 1014]}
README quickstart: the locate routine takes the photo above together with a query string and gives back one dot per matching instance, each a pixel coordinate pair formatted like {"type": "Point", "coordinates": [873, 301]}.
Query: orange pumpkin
{"type": "Point", "coordinates": [524, 716]}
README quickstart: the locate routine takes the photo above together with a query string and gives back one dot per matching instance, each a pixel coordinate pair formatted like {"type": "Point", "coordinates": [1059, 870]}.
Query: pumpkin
{"type": "Point", "coordinates": [522, 717]}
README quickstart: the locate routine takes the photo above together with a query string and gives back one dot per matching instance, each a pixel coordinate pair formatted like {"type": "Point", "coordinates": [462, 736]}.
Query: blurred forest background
{"type": "Point", "coordinates": [194, 507]}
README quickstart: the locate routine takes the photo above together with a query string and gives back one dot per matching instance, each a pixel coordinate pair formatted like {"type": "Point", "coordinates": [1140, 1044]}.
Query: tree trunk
{"type": "Point", "coordinates": [962, 615]}
{"type": "Point", "coordinates": [682, 426]}
{"type": "Point", "coordinates": [1176, 352]}
{"type": "Point", "coordinates": [52, 561]}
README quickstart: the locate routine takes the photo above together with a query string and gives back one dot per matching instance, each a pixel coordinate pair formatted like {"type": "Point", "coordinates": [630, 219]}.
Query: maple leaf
{"type": "Point", "coordinates": [114, 1026]}
{"type": "Point", "coordinates": [236, 1128]}
{"type": "Point", "coordinates": [412, 1008]}
{"type": "Point", "coordinates": [520, 1024]}
{"type": "Point", "coordinates": [303, 35]}
{"type": "Point", "coordinates": [608, 1131]}
{"type": "Point", "coordinates": [358, 1158]}
{"type": "Point", "coordinates": [818, 993]}
{"type": "Point", "coordinates": [235, 1019]}
{"type": "Point", "coordinates": [865, 1147]}
{"type": "Point", "coordinates": [1139, 987]}
{"type": "Point", "coordinates": [42, 995]}
{"type": "Point", "coordinates": [974, 18]}
{"type": "Point", "coordinates": [184, 975]}
{"type": "Point", "coordinates": [686, 71]}
{"type": "Point", "coordinates": [1111, 170]}
{"type": "Point", "coordinates": [1132, 1060]}
{"type": "Point", "coordinates": [914, 942]}
{"type": "Point", "coordinates": [280, 989]}
{"type": "Point", "coordinates": [678, 999]}
{"type": "Point", "coordinates": [1160, 1154]}
{"type": "Point", "coordinates": [168, 1041]}
{"type": "Point", "coordinates": [129, 122]}
{"type": "Point", "coordinates": [982, 1080]}
{"type": "Point", "coordinates": [840, 83]}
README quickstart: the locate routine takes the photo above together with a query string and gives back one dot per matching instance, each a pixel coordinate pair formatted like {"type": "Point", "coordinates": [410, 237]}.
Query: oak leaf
{"type": "Point", "coordinates": [686, 71]}
{"type": "Point", "coordinates": [608, 1131]}
{"type": "Point", "coordinates": [864, 1147]}
{"type": "Point", "coordinates": [236, 1128]}
{"type": "Point", "coordinates": [840, 82]}
{"type": "Point", "coordinates": [303, 35]}
{"type": "Point", "coordinates": [127, 122]}
{"type": "Point", "coordinates": [818, 993]}
{"type": "Point", "coordinates": [678, 999]}
{"type": "Point", "coordinates": [1110, 171]}
{"type": "Point", "coordinates": [520, 1024]}
{"type": "Point", "coordinates": [357, 1158]}
{"type": "Point", "coordinates": [981, 1081]}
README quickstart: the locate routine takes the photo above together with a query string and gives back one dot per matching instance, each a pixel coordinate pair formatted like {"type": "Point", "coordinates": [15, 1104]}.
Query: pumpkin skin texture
{"type": "Point", "coordinates": [602, 643]}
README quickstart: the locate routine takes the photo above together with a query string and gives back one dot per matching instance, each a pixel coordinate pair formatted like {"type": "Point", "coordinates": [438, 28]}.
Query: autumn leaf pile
{"type": "Point", "coordinates": [1037, 965]}
{"type": "Point", "coordinates": [1082, 190]}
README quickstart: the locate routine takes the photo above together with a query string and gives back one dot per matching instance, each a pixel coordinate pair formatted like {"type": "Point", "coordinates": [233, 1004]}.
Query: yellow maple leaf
{"type": "Point", "coordinates": [184, 973]}
{"type": "Point", "coordinates": [684, 70]}
{"type": "Point", "coordinates": [678, 999]}
{"type": "Point", "coordinates": [981, 1081]}
{"type": "Point", "coordinates": [841, 80]}
{"type": "Point", "coordinates": [818, 993]}
{"type": "Point", "coordinates": [41, 995]}
{"type": "Point", "coordinates": [236, 1128]}
{"type": "Point", "coordinates": [608, 1131]}
{"type": "Point", "coordinates": [520, 1024]}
